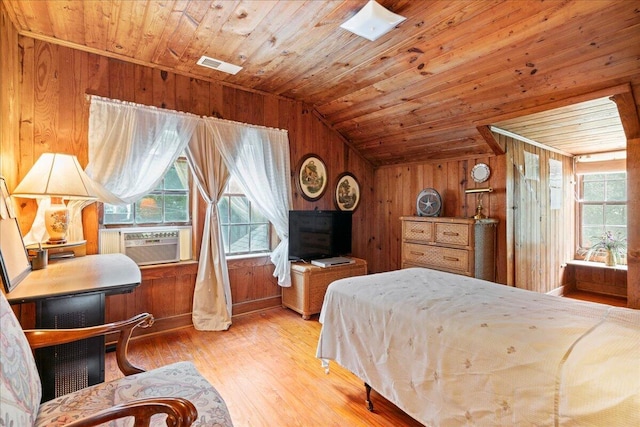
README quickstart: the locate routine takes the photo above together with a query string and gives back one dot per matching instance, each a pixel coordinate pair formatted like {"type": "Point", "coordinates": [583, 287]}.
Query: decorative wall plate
{"type": "Point", "coordinates": [480, 172]}
{"type": "Point", "coordinates": [429, 203]}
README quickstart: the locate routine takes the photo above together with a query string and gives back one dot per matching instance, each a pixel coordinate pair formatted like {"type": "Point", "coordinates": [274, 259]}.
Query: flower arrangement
{"type": "Point", "coordinates": [614, 247]}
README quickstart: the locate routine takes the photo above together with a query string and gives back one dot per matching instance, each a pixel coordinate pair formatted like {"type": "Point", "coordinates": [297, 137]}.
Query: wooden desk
{"type": "Point", "coordinates": [70, 293]}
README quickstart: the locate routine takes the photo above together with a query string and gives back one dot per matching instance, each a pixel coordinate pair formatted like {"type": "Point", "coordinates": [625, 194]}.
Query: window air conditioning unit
{"type": "Point", "coordinates": [151, 247]}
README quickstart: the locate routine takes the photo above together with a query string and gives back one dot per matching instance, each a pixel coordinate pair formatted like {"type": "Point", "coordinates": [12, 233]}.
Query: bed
{"type": "Point", "coordinates": [452, 350]}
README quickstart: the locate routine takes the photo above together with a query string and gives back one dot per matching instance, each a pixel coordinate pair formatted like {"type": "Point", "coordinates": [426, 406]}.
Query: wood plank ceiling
{"type": "Point", "coordinates": [418, 93]}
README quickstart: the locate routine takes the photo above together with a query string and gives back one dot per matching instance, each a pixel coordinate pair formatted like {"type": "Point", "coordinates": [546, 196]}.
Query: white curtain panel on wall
{"type": "Point", "coordinates": [131, 146]}
{"type": "Point", "coordinates": [258, 158]}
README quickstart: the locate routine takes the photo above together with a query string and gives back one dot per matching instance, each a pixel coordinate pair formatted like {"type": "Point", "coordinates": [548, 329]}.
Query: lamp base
{"type": "Point", "coordinates": [56, 242]}
{"type": "Point", "coordinates": [56, 221]}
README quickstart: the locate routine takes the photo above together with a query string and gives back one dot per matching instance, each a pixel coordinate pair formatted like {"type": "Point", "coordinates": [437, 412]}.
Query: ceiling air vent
{"type": "Point", "coordinates": [219, 65]}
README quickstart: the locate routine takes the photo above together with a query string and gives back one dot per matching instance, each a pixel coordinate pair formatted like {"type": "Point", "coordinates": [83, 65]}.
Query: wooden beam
{"type": "Point", "coordinates": [564, 102]}
{"type": "Point", "coordinates": [529, 141]}
{"type": "Point", "coordinates": [628, 114]}
{"type": "Point", "coordinates": [495, 146]}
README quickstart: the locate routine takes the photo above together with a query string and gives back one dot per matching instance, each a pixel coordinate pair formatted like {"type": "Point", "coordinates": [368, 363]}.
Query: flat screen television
{"type": "Point", "coordinates": [319, 234]}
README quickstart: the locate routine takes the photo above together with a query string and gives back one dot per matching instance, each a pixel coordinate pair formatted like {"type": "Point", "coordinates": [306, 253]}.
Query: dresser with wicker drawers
{"type": "Point", "coordinates": [457, 245]}
{"type": "Point", "coordinates": [309, 284]}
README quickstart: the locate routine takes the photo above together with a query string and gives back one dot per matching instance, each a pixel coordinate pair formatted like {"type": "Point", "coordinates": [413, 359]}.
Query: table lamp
{"type": "Point", "coordinates": [479, 192]}
{"type": "Point", "coordinates": [60, 177]}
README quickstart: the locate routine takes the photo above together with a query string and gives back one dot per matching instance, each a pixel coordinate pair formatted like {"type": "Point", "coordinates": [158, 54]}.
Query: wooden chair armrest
{"type": "Point", "coordinates": [39, 338]}
{"type": "Point", "coordinates": [180, 412]}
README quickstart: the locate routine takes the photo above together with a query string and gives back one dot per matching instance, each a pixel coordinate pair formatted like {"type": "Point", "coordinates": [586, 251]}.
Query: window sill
{"type": "Point", "coordinates": [247, 256]}
{"type": "Point", "coordinates": [594, 264]}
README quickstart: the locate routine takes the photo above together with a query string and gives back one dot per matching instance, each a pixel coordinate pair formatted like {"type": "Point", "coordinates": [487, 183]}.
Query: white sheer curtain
{"type": "Point", "coordinates": [212, 294]}
{"type": "Point", "coordinates": [131, 146]}
{"type": "Point", "coordinates": [258, 158]}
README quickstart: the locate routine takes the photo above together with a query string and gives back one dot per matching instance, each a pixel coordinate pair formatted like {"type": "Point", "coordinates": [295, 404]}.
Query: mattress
{"type": "Point", "coordinates": [452, 350]}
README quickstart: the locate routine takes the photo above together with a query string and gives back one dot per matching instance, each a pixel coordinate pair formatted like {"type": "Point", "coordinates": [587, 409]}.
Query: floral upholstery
{"type": "Point", "coordinates": [177, 380]}
{"type": "Point", "coordinates": [20, 390]}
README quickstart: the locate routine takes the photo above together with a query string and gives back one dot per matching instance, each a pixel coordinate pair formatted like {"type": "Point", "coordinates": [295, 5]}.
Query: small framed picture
{"type": "Point", "coordinates": [14, 262]}
{"type": "Point", "coordinates": [347, 197]}
{"type": "Point", "coordinates": [312, 177]}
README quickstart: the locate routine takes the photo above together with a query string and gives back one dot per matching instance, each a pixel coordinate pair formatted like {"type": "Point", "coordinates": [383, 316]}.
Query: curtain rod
{"type": "Point", "coordinates": [89, 97]}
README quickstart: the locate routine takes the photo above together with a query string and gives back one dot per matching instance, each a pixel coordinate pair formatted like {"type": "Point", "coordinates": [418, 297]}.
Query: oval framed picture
{"type": "Point", "coordinates": [312, 177]}
{"type": "Point", "coordinates": [347, 196]}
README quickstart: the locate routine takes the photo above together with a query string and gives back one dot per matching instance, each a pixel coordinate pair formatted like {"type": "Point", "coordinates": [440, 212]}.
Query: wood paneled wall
{"type": "Point", "coordinates": [396, 190]}
{"type": "Point", "coordinates": [9, 98]}
{"type": "Point", "coordinates": [530, 254]}
{"type": "Point", "coordinates": [54, 110]}
{"type": "Point", "coordinates": [541, 239]}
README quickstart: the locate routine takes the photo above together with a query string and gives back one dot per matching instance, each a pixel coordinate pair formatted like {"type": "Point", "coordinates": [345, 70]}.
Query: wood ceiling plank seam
{"type": "Point", "coordinates": [559, 128]}
{"type": "Point", "coordinates": [447, 128]}
{"type": "Point", "coordinates": [323, 28]}
{"type": "Point", "coordinates": [232, 34]}
{"type": "Point", "coordinates": [425, 45]}
{"type": "Point", "coordinates": [284, 42]}
{"type": "Point", "coordinates": [505, 37]}
{"type": "Point", "coordinates": [176, 20]}
{"type": "Point", "coordinates": [300, 69]}
{"type": "Point", "coordinates": [435, 143]}
{"type": "Point", "coordinates": [411, 47]}
{"type": "Point", "coordinates": [18, 19]}
{"type": "Point", "coordinates": [493, 84]}
{"type": "Point", "coordinates": [604, 108]}
{"type": "Point", "coordinates": [340, 136]}
{"type": "Point", "coordinates": [67, 20]}
{"type": "Point", "coordinates": [96, 25]}
{"type": "Point", "coordinates": [611, 118]}
{"type": "Point", "coordinates": [156, 15]}
{"type": "Point", "coordinates": [182, 36]}
{"type": "Point", "coordinates": [125, 27]}
{"type": "Point", "coordinates": [204, 42]}
{"type": "Point", "coordinates": [38, 18]}
{"type": "Point", "coordinates": [460, 75]}
{"type": "Point", "coordinates": [560, 99]}
{"type": "Point", "coordinates": [573, 126]}
{"type": "Point", "coordinates": [273, 25]}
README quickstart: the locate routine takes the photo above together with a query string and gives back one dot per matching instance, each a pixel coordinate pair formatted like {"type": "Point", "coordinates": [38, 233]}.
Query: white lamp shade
{"type": "Point", "coordinates": [57, 175]}
{"type": "Point", "coordinates": [373, 21]}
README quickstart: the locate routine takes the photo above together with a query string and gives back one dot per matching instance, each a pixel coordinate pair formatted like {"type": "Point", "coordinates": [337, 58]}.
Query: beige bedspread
{"type": "Point", "coordinates": [452, 350]}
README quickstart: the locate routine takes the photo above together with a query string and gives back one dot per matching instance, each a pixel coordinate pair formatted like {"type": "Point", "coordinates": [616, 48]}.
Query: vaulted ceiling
{"type": "Point", "coordinates": [426, 90]}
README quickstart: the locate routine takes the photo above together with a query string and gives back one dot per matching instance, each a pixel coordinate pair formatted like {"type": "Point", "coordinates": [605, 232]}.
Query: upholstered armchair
{"type": "Point", "coordinates": [175, 395]}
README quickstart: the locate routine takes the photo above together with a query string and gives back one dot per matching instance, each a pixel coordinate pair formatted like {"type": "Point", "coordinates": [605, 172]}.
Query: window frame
{"type": "Point", "coordinates": [188, 191]}
{"type": "Point", "coordinates": [580, 203]}
{"type": "Point", "coordinates": [270, 228]}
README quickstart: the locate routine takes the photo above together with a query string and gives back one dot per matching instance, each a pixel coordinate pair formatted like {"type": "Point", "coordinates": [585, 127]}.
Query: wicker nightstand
{"type": "Point", "coordinates": [309, 284]}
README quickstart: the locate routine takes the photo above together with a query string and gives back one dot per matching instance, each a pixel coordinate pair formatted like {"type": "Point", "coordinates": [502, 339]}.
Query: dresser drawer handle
{"type": "Point", "coordinates": [450, 258]}
{"type": "Point", "coordinates": [450, 233]}
{"type": "Point", "coordinates": [417, 253]}
{"type": "Point", "coordinates": [417, 231]}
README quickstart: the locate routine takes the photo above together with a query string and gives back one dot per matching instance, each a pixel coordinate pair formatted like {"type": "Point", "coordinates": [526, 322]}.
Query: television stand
{"type": "Point", "coordinates": [309, 284]}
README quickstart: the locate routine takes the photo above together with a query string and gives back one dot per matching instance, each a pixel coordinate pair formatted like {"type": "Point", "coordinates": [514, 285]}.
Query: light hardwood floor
{"type": "Point", "coordinates": [265, 368]}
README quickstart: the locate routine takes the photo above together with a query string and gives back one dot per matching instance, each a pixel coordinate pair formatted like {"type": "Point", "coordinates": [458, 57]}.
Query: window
{"type": "Point", "coordinates": [602, 206]}
{"type": "Point", "coordinates": [244, 229]}
{"type": "Point", "coordinates": [167, 204]}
